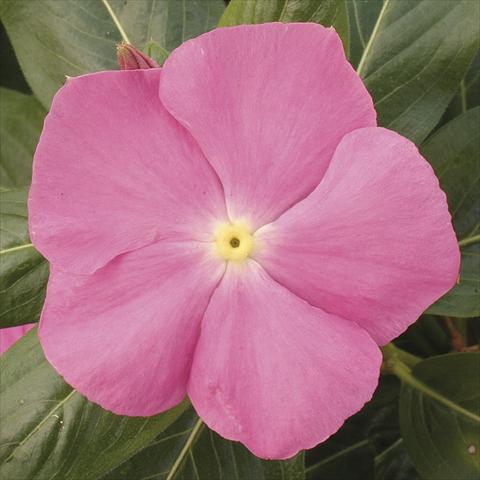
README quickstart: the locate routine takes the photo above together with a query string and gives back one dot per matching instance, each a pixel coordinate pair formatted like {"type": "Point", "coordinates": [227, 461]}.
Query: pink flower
{"type": "Point", "coordinates": [234, 227]}
{"type": "Point", "coordinates": [8, 336]}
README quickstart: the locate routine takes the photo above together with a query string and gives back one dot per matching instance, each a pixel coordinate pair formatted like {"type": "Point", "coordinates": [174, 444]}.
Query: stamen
{"type": "Point", "coordinates": [235, 242]}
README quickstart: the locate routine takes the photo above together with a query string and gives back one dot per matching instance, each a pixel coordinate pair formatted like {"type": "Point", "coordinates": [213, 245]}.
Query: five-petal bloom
{"type": "Point", "coordinates": [234, 227]}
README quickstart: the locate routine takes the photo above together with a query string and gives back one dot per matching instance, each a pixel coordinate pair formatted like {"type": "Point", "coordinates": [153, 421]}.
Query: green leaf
{"type": "Point", "coordinates": [188, 449]}
{"type": "Point", "coordinates": [20, 126]}
{"type": "Point", "coordinates": [325, 12]}
{"type": "Point", "coordinates": [52, 431]}
{"type": "Point", "coordinates": [426, 337]}
{"type": "Point", "coordinates": [354, 462]}
{"type": "Point", "coordinates": [415, 58]}
{"type": "Point", "coordinates": [54, 38]}
{"type": "Point", "coordinates": [453, 152]}
{"type": "Point", "coordinates": [156, 51]}
{"type": "Point", "coordinates": [349, 453]}
{"type": "Point", "coordinates": [341, 23]}
{"type": "Point", "coordinates": [468, 95]}
{"type": "Point", "coordinates": [12, 76]}
{"type": "Point", "coordinates": [440, 416]}
{"type": "Point", "coordinates": [363, 16]}
{"type": "Point", "coordinates": [395, 464]}
{"type": "Point", "coordinates": [470, 86]}
{"type": "Point", "coordinates": [24, 272]}
{"type": "Point", "coordinates": [167, 22]}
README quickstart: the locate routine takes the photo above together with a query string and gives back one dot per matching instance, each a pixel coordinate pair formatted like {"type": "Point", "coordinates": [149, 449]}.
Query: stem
{"type": "Point", "coordinates": [457, 339]}
{"type": "Point", "coordinates": [393, 363]}
{"type": "Point", "coordinates": [366, 52]}
{"type": "Point", "coordinates": [469, 241]}
{"type": "Point", "coordinates": [116, 21]}
{"type": "Point", "coordinates": [186, 448]}
{"type": "Point", "coordinates": [405, 374]}
{"type": "Point", "coordinates": [392, 353]}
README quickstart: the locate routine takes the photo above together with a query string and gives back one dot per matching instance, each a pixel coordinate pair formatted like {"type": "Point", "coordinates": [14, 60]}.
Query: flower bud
{"type": "Point", "coordinates": [129, 58]}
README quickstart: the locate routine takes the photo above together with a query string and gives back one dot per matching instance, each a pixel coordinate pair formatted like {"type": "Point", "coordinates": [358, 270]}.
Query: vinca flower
{"type": "Point", "coordinates": [236, 228]}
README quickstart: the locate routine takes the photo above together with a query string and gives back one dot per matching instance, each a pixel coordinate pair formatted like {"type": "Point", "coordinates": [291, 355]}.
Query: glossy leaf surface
{"type": "Point", "coordinates": [207, 456]}
{"type": "Point", "coordinates": [55, 38]}
{"type": "Point", "coordinates": [21, 122]}
{"type": "Point", "coordinates": [325, 12]}
{"type": "Point", "coordinates": [54, 432]}
{"type": "Point", "coordinates": [442, 438]}
{"type": "Point", "coordinates": [23, 272]}
{"type": "Point", "coordinates": [454, 152]}
{"type": "Point", "coordinates": [415, 58]}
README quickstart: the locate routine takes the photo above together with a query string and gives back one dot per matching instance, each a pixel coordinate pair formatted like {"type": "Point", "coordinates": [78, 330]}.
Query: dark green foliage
{"type": "Point", "coordinates": [420, 61]}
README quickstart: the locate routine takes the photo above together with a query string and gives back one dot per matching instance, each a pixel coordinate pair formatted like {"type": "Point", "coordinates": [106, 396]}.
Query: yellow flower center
{"type": "Point", "coordinates": [233, 241]}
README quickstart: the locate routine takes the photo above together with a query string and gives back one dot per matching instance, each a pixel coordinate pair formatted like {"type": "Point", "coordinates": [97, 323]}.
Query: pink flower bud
{"type": "Point", "coordinates": [129, 58]}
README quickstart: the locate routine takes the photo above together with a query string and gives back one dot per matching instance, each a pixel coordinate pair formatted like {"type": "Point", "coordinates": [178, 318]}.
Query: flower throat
{"type": "Point", "coordinates": [234, 242]}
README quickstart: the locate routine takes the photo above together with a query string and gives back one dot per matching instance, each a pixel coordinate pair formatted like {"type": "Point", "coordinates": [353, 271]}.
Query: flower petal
{"type": "Point", "coordinates": [124, 336]}
{"type": "Point", "coordinates": [374, 242]}
{"type": "Point", "coordinates": [268, 104]}
{"type": "Point", "coordinates": [274, 372]}
{"type": "Point", "coordinates": [114, 171]}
